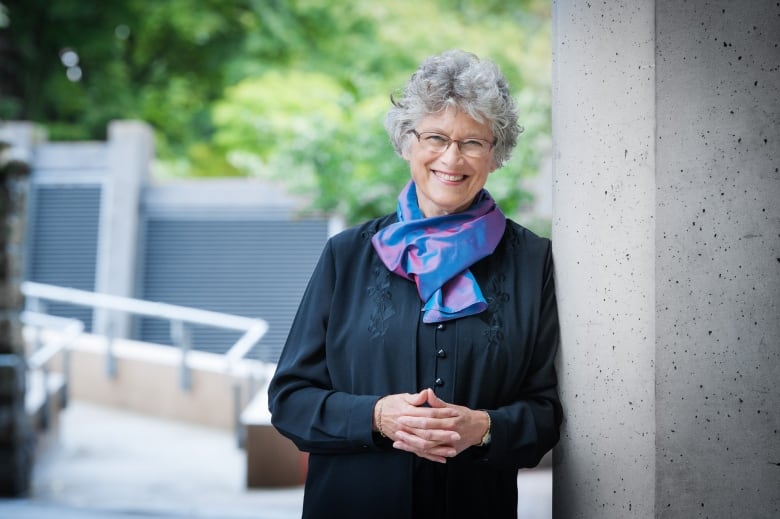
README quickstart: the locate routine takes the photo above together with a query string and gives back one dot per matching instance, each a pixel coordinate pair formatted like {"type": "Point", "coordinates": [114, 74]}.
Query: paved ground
{"type": "Point", "coordinates": [114, 464]}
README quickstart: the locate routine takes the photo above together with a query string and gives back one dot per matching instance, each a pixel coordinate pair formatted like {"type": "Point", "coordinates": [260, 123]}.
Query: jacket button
{"type": "Point", "coordinates": [441, 354]}
{"type": "Point", "coordinates": [439, 382]}
{"type": "Point", "coordinates": [440, 326]}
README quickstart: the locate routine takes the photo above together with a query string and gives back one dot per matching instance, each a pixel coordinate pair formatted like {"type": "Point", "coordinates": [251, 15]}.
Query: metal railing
{"type": "Point", "coordinates": [38, 361]}
{"type": "Point", "coordinates": [181, 318]}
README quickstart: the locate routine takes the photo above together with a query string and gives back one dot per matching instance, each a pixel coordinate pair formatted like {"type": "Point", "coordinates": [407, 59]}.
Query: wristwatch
{"type": "Point", "coordinates": [487, 437]}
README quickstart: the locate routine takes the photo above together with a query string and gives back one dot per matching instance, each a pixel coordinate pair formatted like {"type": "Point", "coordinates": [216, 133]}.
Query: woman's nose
{"type": "Point", "coordinates": [452, 154]}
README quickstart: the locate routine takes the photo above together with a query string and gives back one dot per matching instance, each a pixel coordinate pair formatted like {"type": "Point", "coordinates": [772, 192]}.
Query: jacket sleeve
{"type": "Point", "coordinates": [523, 431]}
{"type": "Point", "coordinates": [303, 403]}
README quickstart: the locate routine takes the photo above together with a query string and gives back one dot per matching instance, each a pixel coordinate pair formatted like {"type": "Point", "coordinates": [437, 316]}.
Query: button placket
{"type": "Point", "coordinates": [441, 354]}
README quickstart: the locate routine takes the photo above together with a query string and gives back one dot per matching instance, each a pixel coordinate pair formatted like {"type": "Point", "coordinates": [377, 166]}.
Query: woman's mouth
{"type": "Point", "coordinates": [448, 177]}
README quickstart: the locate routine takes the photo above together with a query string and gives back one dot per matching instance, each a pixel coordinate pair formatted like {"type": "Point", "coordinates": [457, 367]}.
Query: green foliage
{"type": "Point", "coordinates": [291, 91]}
{"type": "Point", "coordinates": [317, 127]}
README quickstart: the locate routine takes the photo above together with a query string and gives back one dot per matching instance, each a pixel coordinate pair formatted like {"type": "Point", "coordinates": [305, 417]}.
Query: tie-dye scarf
{"type": "Point", "coordinates": [436, 253]}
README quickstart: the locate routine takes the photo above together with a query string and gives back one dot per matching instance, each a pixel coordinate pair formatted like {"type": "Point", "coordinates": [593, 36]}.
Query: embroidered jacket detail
{"type": "Point", "coordinates": [496, 294]}
{"type": "Point", "coordinates": [382, 302]}
{"type": "Point", "coordinates": [496, 297]}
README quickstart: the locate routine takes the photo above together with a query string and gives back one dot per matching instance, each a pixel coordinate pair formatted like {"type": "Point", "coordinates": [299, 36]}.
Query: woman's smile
{"type": "Point", "coordinates": [448, 177]}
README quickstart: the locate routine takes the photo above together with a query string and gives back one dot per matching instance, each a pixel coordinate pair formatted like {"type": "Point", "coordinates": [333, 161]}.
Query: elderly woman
{"type": "Point", "coordinates": [419, 371]}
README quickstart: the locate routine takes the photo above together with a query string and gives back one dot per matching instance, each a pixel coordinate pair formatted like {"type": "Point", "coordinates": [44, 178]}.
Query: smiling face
{"type": "Point", "coordinates": [447, 182]}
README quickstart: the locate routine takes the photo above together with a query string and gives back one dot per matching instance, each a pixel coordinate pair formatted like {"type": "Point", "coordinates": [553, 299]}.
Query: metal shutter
{"type": "Point", "coordinates": [242, 265]}
{"type": "Point", "coordinates": [63, 240]}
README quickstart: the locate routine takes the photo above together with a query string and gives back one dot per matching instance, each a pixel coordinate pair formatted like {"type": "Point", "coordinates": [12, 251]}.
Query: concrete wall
{"type": "Point", "coordinates": [147, 380]}
{"type": "Point", "coordinates": [665, 232]}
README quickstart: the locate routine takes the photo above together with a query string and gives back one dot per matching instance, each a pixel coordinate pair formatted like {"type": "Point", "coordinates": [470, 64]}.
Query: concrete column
{"type": "Point", "coordinates": [603, 238]}
{"type": "Point", "coordinates": [718, 259]}
{"type": "Point", "coordinates": [665, 232]}
{"type": "Point", "coordinates": [130, 152]}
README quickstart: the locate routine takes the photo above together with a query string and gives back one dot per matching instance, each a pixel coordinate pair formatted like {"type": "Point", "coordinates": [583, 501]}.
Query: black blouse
{"type": "Point", "coordinates": [358, 336]}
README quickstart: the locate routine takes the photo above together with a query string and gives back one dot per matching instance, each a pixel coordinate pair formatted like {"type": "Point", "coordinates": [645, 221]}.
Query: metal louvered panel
{"type": "Point", "coordinates": [63, 241]}
{"type": "Point", "coordinates": [241, 265]}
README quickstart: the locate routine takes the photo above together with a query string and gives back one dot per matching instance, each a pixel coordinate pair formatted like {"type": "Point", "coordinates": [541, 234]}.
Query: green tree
{"type": "Point", "coordinates": [317, 124]}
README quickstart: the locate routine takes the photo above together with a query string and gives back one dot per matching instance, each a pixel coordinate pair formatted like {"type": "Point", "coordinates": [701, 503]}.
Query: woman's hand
{"type": "Point", "coordinates": [434, 432]}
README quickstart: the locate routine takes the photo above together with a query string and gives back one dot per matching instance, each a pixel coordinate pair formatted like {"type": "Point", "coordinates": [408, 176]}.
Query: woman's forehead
{"type": "Point", "coordinates": [452, 119]}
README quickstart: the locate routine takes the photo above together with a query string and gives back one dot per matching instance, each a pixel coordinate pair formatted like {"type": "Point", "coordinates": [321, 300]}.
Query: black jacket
{"type": "Point", "coordinates": [355, 339]}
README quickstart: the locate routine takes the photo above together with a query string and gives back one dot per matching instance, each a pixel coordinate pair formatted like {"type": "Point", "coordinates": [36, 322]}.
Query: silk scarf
{"type": "Point", "coordinates": [436, 253]}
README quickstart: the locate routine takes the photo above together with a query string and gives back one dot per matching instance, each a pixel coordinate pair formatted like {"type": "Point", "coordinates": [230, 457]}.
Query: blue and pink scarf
{"type": "Point", "coordinates": [436, 253]}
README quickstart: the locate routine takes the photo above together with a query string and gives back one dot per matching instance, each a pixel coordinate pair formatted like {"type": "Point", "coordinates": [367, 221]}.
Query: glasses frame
{"type": "Point", "coordinates": [459, 142]}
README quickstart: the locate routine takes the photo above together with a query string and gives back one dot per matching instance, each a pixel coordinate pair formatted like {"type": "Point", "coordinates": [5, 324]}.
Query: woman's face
{"type": "Point", "coordinates": [447, 182]}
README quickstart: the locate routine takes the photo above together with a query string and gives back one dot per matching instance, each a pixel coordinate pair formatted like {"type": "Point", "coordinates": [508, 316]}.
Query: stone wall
{"type": "Point", "coordinates": [16, 438]}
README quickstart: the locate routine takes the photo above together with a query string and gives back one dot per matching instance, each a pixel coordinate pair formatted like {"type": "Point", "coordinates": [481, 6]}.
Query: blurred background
{"type": "Point", "coordinates": [289, 91]}
{"type": "Point", "coordinates": [172, 170]}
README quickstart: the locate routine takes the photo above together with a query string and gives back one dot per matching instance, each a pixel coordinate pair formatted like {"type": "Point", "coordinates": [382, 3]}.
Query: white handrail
{"type": "Point", "coordinates": [70, 329]}
{"type": "Point", "coordinates": [253, 328]}
{"type": "Point", "coordinates": [138, 306]}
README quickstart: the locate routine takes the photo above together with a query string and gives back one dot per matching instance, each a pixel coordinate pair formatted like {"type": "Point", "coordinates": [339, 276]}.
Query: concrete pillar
{"type": "Point", "coordinates": [130, 152]}
{"type": "Point", "coordinates": [665, 233]}
{"type": "Point", "coordinates": [603, 235]}
{"type": "Point", "coordinates": [718, 258]}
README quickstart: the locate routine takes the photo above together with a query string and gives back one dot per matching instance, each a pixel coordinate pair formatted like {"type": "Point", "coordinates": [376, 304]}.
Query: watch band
{"type": "Point", "coordinates": [487, 437]}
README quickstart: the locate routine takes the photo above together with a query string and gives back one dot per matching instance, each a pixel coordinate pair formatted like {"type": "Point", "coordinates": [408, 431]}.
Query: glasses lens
{"type": "Point", "coordinates": [473, 148]}
{"type": "Point", "coordinates": [435, 142]}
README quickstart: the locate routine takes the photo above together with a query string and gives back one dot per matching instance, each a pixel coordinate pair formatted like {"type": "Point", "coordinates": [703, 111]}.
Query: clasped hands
{"type": "Point", "coordinates": [435, 432]}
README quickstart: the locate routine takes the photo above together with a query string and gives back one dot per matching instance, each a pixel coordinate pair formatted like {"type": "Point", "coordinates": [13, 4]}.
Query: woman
{"type": "Point", "coordinates": [419, 371]}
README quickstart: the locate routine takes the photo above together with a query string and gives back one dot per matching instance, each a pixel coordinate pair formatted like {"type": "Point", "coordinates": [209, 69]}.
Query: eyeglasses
{"type": "Point", "coordinates": [438, 143]}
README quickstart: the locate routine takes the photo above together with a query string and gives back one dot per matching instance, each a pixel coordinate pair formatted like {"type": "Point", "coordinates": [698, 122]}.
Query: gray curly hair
{"type": "Point", "coordinates": [456, 79]}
